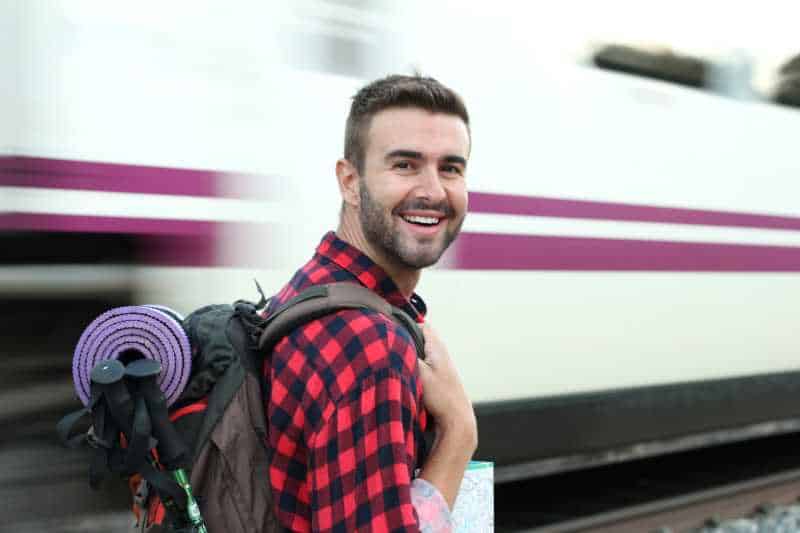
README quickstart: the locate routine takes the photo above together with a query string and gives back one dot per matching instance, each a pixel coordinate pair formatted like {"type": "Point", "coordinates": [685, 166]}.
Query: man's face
{"type": "Point", "coordinates": [413, 195]}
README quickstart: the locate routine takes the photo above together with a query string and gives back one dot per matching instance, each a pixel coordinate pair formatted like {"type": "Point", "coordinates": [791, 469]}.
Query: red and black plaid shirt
{"type": "Point", "coordinates": [344, 407]}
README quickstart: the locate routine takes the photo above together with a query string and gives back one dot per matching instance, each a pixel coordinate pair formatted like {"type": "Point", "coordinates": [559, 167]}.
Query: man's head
{"type": "Point", "coordinates": [402, 179]}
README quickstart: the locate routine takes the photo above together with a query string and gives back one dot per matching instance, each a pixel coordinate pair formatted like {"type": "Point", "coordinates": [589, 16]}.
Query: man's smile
{"type": "Point", "coordinates": [423, 223]}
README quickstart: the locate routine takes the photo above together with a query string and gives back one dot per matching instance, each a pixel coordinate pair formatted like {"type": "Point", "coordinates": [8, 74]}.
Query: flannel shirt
{"type": "Point", "coordinates": [344, 410]}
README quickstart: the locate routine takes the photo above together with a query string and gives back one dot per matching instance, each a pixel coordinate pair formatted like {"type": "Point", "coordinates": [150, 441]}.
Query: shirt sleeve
{"type": "Point", "coordinates": [431, 507]}
{"type": "Point", "coordinates": [362, 460]}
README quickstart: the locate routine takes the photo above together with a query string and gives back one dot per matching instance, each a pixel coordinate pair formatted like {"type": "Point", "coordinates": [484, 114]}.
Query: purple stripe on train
{"type": "Point", "coordinates": [17, 171]}
{"type": "Point", "coordinates": [484, 251]}
{"type": "Point", "coordinates": [112, 177]}
{"type": "Point", "coordinates": [509, 204]}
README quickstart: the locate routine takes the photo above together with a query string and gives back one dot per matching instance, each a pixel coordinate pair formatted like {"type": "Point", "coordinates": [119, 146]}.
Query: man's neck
{"type": "Point", "coordinates": [405, 278]}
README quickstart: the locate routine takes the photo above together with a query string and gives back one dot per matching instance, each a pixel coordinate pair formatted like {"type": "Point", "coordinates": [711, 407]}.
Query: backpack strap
{"type": "Point", "coordinates": [321, 300]}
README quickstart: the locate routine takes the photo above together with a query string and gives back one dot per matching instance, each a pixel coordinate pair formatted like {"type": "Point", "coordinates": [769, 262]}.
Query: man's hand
{"type": "Point", "coordinates": [456, 429]}
{"type": "Point", "coordinates": [443, 394]}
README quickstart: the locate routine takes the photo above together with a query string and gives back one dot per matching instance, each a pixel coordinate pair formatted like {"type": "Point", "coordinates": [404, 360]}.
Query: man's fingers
{"type": "Point", "coordinates": [430, 355]}
{"type": "Point", "coordinates": [432, 343]}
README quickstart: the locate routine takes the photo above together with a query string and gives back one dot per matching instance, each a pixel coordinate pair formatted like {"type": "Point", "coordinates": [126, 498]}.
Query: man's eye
{"type": "Point", "coordinates": [403, 165]}
{"type": "Point", "coordinates": [452, 169]}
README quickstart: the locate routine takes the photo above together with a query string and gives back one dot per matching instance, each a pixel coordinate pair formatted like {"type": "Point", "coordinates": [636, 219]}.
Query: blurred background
{"type": "Point", "coordinates": [633, 186]}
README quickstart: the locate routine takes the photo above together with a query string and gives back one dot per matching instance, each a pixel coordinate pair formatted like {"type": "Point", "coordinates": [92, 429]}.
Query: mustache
{"type": "Point", "coordinates": [422, 205]}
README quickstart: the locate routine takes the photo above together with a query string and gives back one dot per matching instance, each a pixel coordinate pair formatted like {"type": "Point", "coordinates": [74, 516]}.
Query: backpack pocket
{"type": "Point", "coordinates": [230, 474]}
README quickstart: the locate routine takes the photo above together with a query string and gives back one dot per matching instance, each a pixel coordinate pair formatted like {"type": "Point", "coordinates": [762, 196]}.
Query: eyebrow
{"type": "Point", "coordinates": [411, 154]}
{"type": "Point", "coordinates": [455, 159]}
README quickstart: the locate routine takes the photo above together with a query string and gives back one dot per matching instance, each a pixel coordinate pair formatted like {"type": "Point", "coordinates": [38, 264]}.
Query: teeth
{"type": "Point", "coordinates": [421, 220]}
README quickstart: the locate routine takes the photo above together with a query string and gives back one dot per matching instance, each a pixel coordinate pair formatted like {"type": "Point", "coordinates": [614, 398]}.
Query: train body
{"type": "Point", "coordinates": [626, 281]}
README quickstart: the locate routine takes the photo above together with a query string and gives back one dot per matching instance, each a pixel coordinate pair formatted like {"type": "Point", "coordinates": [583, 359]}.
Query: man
{"type": "Point", "coordinates": [346, 410]}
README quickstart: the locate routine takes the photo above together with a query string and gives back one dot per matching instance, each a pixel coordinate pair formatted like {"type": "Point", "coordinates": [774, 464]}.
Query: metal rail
{"type": "Point", "coordinates": [643, 450]}
{"type": "Point", "coordinates": [690, 511]}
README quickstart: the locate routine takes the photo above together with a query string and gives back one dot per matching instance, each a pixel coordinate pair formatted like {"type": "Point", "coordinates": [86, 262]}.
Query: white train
{"type": "Point", "coordinates": [627, 279]}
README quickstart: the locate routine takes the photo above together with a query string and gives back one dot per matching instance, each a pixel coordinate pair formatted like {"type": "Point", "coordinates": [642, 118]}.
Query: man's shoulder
{"type": "Point", "coordinates": [349, 333]}
{"type": "Point", "coordinates": [362, 325]}
{"type": "Point", "coordinates": [347, 347]}
{"type": "Point", "coordinates": [358, 341]}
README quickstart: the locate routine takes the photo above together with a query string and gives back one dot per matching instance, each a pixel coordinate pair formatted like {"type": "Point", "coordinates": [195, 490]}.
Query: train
{"type": "Point", "coordinates": [626, 280]}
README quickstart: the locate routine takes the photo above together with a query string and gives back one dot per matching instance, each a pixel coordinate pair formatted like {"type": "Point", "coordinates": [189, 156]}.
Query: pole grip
{"type": "Point", "coordinates": [142, 374]}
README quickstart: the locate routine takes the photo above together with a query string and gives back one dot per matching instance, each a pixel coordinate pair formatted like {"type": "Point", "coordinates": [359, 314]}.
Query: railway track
{"type": "Point", "coordinates": [691, 512]}
{"type": "Point", "coordinates": [680, 493]}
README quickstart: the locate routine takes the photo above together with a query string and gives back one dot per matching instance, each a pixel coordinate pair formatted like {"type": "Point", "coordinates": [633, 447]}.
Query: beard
{"type": "Point", "coordinates": [379, 226]}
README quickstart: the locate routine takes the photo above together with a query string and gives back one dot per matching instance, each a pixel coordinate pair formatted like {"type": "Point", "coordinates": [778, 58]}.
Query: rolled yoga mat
{"type": "Point", "coordinates": [149, 331]}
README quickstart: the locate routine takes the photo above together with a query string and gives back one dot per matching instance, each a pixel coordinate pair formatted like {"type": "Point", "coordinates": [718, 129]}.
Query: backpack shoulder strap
{"type": "Point", "coordinates": [321, 300]}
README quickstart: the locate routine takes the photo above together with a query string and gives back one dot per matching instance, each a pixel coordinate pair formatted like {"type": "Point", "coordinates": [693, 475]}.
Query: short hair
{"type": "Point", "coordinates": [395, 91]}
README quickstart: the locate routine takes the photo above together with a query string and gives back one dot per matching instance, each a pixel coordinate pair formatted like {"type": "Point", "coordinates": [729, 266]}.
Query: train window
{"type": "Point", "coordinates": [325, 53]}
{"type": "Point", "coordinates": [666, 66]}
{"type": "Point", "coordinates": [787, 91]}
{"type": "Point", "coordinates": [347, 37]}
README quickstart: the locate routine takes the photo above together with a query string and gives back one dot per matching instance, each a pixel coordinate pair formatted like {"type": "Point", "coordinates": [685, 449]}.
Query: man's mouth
{"type": "Point", "coordinates": [421, 220]}
{"type": "Point", "coordinates": [424, 225]}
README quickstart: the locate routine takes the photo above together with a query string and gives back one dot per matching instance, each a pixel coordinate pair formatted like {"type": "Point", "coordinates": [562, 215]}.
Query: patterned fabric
{"type": "Point", "coordinates": [344, 407]}
{"type": "Point", "coordinates": [434, 515]}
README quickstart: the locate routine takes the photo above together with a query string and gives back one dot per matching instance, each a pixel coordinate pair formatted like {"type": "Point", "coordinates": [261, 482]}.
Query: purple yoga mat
{"type": "Point", "coordinates": [155, 332]}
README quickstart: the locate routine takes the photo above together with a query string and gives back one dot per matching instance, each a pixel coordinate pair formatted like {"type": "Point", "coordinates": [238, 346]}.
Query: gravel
{"type": "Point", "coordinates": [778, 519]}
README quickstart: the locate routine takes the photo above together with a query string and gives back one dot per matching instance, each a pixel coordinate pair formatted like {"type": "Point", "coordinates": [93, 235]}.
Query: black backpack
{"type": "Point", "coordinates": [216, 430]}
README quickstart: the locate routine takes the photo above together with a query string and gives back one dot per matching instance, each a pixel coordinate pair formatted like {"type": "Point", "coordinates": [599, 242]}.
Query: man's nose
{"type": "Point", "coordinates": [430, 184]}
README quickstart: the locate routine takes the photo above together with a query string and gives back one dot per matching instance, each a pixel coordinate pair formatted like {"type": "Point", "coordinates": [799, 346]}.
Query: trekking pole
{"type": "Point", "coordinates": [107, 379]}
{"type": "Point", "coordinates": [192, 509]}
{"type": "Point", "coordinates": [172, 451]}
{"type": "Point", "coordinates": [132, 419]}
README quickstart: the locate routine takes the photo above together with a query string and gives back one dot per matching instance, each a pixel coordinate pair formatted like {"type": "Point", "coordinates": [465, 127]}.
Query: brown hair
{"type": "Point", "coordinates": [395, 91]}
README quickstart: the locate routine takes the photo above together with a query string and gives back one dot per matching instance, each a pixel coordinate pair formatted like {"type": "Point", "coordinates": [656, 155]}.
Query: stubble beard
{"type": "Point", "coordinates": [378, 226]}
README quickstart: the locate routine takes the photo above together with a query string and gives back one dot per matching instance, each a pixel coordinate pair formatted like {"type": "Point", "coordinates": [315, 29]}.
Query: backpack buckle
{"type": "Point", "coordinates": [96, 442]}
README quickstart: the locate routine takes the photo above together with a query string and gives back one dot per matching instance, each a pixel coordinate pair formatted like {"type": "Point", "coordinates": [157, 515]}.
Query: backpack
{"type": "Point", "coordinates": [216, 430]}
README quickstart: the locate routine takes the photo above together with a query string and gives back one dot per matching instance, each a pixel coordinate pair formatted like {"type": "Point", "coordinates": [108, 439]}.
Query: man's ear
{"type": "Point", "coordinates": [349, 184]}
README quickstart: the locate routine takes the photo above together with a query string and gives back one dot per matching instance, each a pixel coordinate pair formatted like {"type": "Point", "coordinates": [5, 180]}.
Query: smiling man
{"type": "Point", "coordinates": [348, 399]}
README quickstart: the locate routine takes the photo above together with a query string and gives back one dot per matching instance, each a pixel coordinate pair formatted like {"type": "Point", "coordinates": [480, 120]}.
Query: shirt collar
{"type": "Point", "coordinates": [369, 274]}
